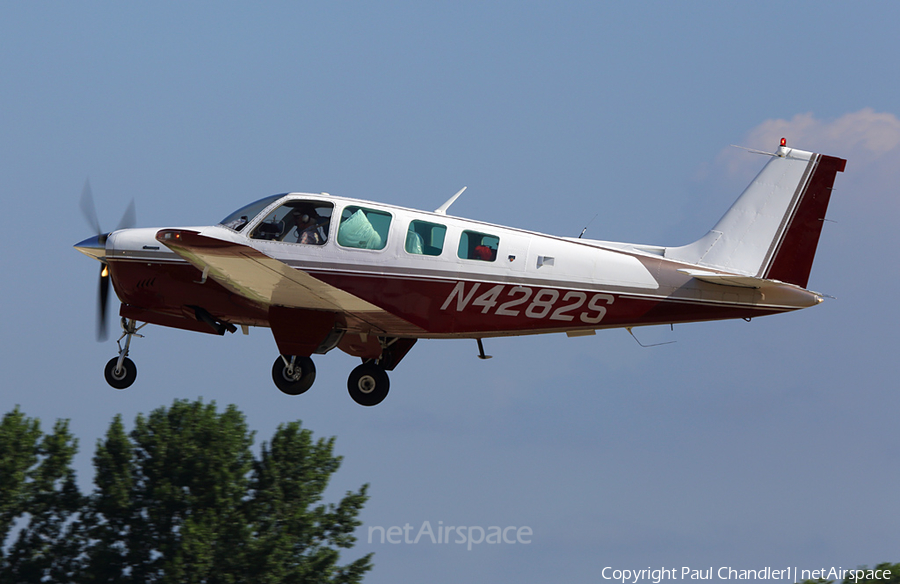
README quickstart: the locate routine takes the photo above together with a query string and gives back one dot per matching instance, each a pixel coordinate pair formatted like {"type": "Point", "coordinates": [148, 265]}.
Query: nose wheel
{"type": "Point", "coordinates": [368, 384]}
{"type": "Point", "coordinates": [120, 376]}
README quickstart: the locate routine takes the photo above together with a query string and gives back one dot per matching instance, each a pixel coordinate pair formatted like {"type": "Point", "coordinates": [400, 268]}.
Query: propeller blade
{"type": "Point", "coordinates": [88, 208]}
{"type": "Point", "coordinates": [102, 329]}
{"type": "Point", "coordinates": [95, 247]}
{"type": "Point", "coordinates": [129, 217]}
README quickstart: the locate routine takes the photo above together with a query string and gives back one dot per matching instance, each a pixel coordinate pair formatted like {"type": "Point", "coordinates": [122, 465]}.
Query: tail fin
{"type": "Point", "coordinates": [772, 230]}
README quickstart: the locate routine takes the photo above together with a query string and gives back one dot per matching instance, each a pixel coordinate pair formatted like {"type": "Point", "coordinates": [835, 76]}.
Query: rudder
{"type": "Point", "coordinates": [792, 255]}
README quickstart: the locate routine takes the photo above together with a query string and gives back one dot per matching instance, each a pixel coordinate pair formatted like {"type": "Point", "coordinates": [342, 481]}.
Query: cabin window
{"type": "Point", "coordinates": [304, 222]}
{"type": "Point", "coordinates": [478, 246]}
{"type": "Point", "coordinates": [363, 228]}
{"type": "Point", "coordinates": [424, 238]}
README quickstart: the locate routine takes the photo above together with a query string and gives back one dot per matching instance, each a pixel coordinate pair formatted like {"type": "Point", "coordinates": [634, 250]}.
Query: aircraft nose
{"type": "Point", "coordinates": [94, 247]}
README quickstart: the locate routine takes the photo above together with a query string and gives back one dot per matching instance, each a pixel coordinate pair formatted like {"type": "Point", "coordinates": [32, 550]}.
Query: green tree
{"type": "Point", "coordinates": [37, 482]}
{"type": "Point", "coordinates": [110, 529]}
{"type": "Point", "coordinates": [19, 438]}
{"type": "Point", "coordinates": [294, 536]}
{"type": "Point", "coordinates": [182, 499]}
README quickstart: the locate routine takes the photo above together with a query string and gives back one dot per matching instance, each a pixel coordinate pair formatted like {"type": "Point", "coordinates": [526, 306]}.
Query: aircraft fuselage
{"type": "Point", "coordinates": [534, 284]}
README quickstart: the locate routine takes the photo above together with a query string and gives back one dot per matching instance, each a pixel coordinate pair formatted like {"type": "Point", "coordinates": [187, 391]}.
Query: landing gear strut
{"type": "Point", "coordinates": [368, 384]}
{"type": "Point", "coordinates": [293, 375]}
{"type": "Point", "coordinates": [121, 371]}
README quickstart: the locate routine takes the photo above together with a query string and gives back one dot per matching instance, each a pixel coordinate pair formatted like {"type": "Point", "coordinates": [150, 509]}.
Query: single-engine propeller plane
{"type": "Point", "coordinates": [370, 279]}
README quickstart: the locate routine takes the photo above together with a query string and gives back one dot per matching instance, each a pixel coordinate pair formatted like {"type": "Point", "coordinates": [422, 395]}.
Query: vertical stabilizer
{"type": "Point", "coordinates": [772, 230]}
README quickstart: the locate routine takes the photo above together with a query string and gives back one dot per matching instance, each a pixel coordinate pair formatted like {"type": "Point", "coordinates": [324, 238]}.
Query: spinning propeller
{"type": "Point", "coordinates": [96, 248]}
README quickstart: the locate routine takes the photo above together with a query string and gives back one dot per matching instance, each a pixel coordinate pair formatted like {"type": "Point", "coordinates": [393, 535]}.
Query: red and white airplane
{"type": "Point", "coordinates": [370, 279]}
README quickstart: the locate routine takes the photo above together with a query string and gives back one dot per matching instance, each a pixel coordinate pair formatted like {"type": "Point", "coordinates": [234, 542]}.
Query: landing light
{"type": "Point", "coordinates": [105, 271]}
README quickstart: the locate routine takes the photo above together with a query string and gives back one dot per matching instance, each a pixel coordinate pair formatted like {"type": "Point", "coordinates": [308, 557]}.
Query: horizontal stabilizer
{"type": "Point", "coordinates": [724, 279]}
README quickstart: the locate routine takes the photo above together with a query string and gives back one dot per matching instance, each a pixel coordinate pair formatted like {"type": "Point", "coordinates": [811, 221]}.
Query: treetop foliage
{"type": "Point", "coordinates": [180, 498]}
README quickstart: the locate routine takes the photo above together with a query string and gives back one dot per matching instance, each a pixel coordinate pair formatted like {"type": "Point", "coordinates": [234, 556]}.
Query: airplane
{"type": "Point", "coordinates": [325, 272]}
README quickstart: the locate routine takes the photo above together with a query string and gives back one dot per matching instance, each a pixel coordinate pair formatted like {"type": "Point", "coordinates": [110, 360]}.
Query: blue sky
{"type": "Point", "coordinates": [771, 443]}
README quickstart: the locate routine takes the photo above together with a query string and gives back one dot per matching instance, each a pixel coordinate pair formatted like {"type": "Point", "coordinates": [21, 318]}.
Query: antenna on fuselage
{"type": "Point", "coordinates": [588, 225]}
{"type": "Point", "coordinates": [442, 210]}
{"type": "Point", "coordinates": [763, 152]}
{"type": "Point", "coordinates": [630, 332]}
{"type": "Point", "coordinates": [481, 354]}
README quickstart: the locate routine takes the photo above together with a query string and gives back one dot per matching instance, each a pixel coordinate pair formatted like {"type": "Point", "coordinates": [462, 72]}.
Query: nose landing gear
{"type": "Point", "coordinates": [121, 371]}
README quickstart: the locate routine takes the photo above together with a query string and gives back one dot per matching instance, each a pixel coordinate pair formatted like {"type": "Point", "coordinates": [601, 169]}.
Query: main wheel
{"type": "Point", "coordinates": [124, 377]}
{"type": "Point", "coordinates": [298, 381]}
{"type": "Point", "coordinates": [368, 384]}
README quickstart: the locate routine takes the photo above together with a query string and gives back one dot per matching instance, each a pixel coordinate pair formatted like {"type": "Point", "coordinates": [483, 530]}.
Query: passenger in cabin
{"type": "Point", "coordinates": [478, 246]}
{"type": "Point", "coordinates": [485, 253]}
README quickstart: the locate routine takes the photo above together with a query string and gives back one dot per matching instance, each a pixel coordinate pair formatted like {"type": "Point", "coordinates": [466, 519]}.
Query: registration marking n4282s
{"type": "Point", "coordinates": [550, 303]}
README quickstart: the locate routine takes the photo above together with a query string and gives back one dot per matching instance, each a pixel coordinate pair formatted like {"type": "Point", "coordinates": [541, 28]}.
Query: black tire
{"type": "Point", "coordinates": [302, 379]}
{"type": "Point", "coordinates": [125, 377]}
{"type": "Point", "coordinates": [368, 384]}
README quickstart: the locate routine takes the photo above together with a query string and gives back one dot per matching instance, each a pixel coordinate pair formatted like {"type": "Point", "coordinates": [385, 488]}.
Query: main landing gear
{"type": "Point", "coordinates": [368, 383]}
{"type": "Point", "coordinates": [121, 371]}
{"type": "Point", "coordinates": [295, 375]}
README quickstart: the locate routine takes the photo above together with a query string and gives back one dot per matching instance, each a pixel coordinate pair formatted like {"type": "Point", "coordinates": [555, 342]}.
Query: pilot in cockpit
{"type": "Point", "coordinates": [308, 227]}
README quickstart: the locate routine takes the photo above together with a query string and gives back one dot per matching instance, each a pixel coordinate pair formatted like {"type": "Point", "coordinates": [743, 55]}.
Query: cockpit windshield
{"type": "Point", "coordinates": [242, 216]}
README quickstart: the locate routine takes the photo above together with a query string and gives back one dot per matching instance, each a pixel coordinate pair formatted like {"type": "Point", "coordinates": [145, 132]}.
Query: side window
{"type": "Point", "coordinates": [478, 246]}
{"type": "Point", "coordinates": [424, 238]}
{"type": "Point", "coordinates": [363, 228]}
{"type": "Point", "coordinates": [297, 222]}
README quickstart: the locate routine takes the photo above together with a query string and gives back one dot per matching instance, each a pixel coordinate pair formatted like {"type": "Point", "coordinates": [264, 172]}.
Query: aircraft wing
{"type": "Point", "coordinates": [271, 282]}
